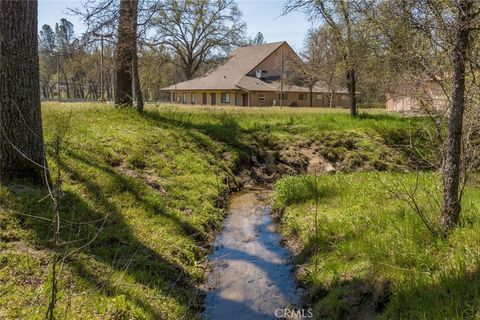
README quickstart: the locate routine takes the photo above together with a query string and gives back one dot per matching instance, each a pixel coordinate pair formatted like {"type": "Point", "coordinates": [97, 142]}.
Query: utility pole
{"type": "Point", "coordinates": [58, 77]}
{"type": "Point", "coordinates": [102, 63]}
{"type": "Point", "coordinates": [102, 94]}
{"type": "Point", "coordinates": [175, 80]}
{"type": "Point", "coordinates": [281, 81]}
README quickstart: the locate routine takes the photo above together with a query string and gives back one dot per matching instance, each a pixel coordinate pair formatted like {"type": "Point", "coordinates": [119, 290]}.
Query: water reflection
{"type": "Point", "coordinates": [251, 275]}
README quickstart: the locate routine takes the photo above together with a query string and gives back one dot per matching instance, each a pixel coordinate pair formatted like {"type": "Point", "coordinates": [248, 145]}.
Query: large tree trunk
{"type": "Point", "coordinates": [21, 145]}
{"type": "Point", "coordinates": [188, 72]}
{"type": "Point", "coordinates": [453, 144]}
{"type": "Point", "coordinates": [352, 99]}
{"type": "Point", "coordinates": [127, 37]}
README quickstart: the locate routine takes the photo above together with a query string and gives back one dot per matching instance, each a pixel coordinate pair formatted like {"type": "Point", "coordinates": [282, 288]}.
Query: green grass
{"type": "Point", "coordinates": [374, 140]}
{"type": "Point", "coordinates": [369, 245]}
{"type": "Point", "coordinates": [141, 198]}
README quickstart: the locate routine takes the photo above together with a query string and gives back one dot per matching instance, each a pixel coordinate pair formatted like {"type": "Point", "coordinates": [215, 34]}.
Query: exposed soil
{"type": "Point", "coordinates": [266, 165]}
{"type": "Point", "coordinates": [150, 179]}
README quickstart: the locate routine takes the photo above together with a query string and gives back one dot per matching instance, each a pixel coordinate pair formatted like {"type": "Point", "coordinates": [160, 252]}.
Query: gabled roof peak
{"type": "Point", "coordinates": [227, 75]}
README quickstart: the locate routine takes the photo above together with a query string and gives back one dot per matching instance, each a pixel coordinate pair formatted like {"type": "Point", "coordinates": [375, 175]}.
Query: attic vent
{"type": "Point", "coordinates": [261, 74]}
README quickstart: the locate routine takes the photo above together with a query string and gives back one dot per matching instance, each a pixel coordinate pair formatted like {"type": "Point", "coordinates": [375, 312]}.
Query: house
{"type": "Point", "coordinates": [252, 76]}
{"type": "Point", "coordinates": [426, 94]}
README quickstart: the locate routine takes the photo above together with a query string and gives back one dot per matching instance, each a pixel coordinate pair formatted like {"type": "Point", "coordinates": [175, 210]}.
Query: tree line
{"type": "Point", "coordinates": [155, 44]}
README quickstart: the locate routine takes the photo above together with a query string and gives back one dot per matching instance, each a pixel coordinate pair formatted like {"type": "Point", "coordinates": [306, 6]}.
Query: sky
{"type": "Point", "coordinates": [263, 16]}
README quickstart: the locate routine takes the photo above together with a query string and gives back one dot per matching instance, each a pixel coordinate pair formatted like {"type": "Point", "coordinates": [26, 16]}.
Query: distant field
{"type": "Point", "coordinates": [147, 191]}
{"type": "Point", "coordinates": [268, 109]}
{"type": "Point", "coordinates": [197, 107]}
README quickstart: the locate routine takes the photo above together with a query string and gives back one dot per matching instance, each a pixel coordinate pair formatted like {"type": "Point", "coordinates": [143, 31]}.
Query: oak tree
{"type": "Point", "coordinates": [196, 30]}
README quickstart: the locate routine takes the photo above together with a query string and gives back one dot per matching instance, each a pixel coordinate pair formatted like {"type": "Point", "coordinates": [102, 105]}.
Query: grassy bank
{"type": "Point", "coordinates": [141, 196]}
{"type": "Point", "coordinates": [365, 254]}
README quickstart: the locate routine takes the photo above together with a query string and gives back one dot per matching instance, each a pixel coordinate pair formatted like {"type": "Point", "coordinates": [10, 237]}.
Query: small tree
{"type": "Point", "coordinates": [321, 56]}
{"type": "Point", "coordinates": [441, 38]}
{"type": "Point", "coordinates": [258, 39]}
{"type": "Point", "coordinates": [343, 18]}
{"type": "Point", "coordinates": [465, 16]}
{"type": "Point", "coordinates": [303, 73]}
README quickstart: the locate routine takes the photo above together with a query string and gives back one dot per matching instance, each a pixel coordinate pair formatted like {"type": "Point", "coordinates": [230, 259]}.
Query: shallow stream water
{"type": "Point", "coordinates": [251, 274]}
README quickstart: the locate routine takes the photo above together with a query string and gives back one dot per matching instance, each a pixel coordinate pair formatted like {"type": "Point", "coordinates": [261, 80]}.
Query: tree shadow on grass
{"type": "Point", "coordinates": [451, 296]}
{"type": "Point", "coordinates": [225, 130]}
{"type": "Point", "coordinates": [437, 295]}
{"type": "Point", "coordinates": [131, 186]}
{"type": "Point", "coordinates": [106, 238]}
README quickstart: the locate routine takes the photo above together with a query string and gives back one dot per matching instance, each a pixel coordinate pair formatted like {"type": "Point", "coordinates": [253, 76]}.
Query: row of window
{"type": "Point", "coordinates": [301, 97]}
{"type": "Point", "coordinates": [284, 96]}
{"type": "Point", "coordinates": [225, 97]}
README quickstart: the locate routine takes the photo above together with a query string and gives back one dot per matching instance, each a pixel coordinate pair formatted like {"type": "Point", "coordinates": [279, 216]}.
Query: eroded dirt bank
{"type": "Point", "coordinates": [241, 280]}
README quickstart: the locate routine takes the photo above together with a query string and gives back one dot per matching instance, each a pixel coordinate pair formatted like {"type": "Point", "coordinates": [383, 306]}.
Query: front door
{"type": "Point", "coordinates": [213, 98]}
{"type": "Point", "coordinates": [204, 98]}
{"type": "Point", "coordinates": [245, 99]}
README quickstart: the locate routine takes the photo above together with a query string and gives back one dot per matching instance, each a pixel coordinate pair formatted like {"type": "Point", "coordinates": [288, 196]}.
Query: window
{"type": "Point", "coordinates": [192, 99]}
{"type": "Point", "coordinates": [225, 97]}
{"type": "Point", "coordinates": [302, 96]}
{"type": "Point", "coordinates": [184, 98]}
{"type": "Point", "coordinates": [344, 97]}
{"type": "Point", "coordinates": [261, 97]}
{"type": "Point", "coordinates": [319, 97]}
{"type": "Point", "coordinates": [283, 96]}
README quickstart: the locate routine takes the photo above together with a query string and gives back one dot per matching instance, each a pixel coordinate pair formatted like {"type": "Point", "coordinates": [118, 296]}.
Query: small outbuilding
{"type": "Point", "coordinates": [426, 94]}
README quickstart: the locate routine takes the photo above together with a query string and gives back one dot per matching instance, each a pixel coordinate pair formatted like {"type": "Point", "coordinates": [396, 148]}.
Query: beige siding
{"type": "Point", "coordinates": [269, 98]}
{"type": "Point", "coordinates": [273, 98]}
{"type": "Point", "coordinates": [400, 104]}
{"type": "Point", "coordinates": [239, 98]}
{"type": "Point", "coordinates": [185, 97]}
{"type": "Point", "coordinates": [273, 63]}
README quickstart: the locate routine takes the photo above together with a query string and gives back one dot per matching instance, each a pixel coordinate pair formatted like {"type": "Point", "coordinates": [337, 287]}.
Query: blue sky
{"type": "Point", "coordinates": [260, 15]}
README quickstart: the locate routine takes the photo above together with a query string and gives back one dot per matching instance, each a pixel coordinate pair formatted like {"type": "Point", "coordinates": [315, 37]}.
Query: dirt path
{"type": "Point", "coordinates": [251, 275]}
